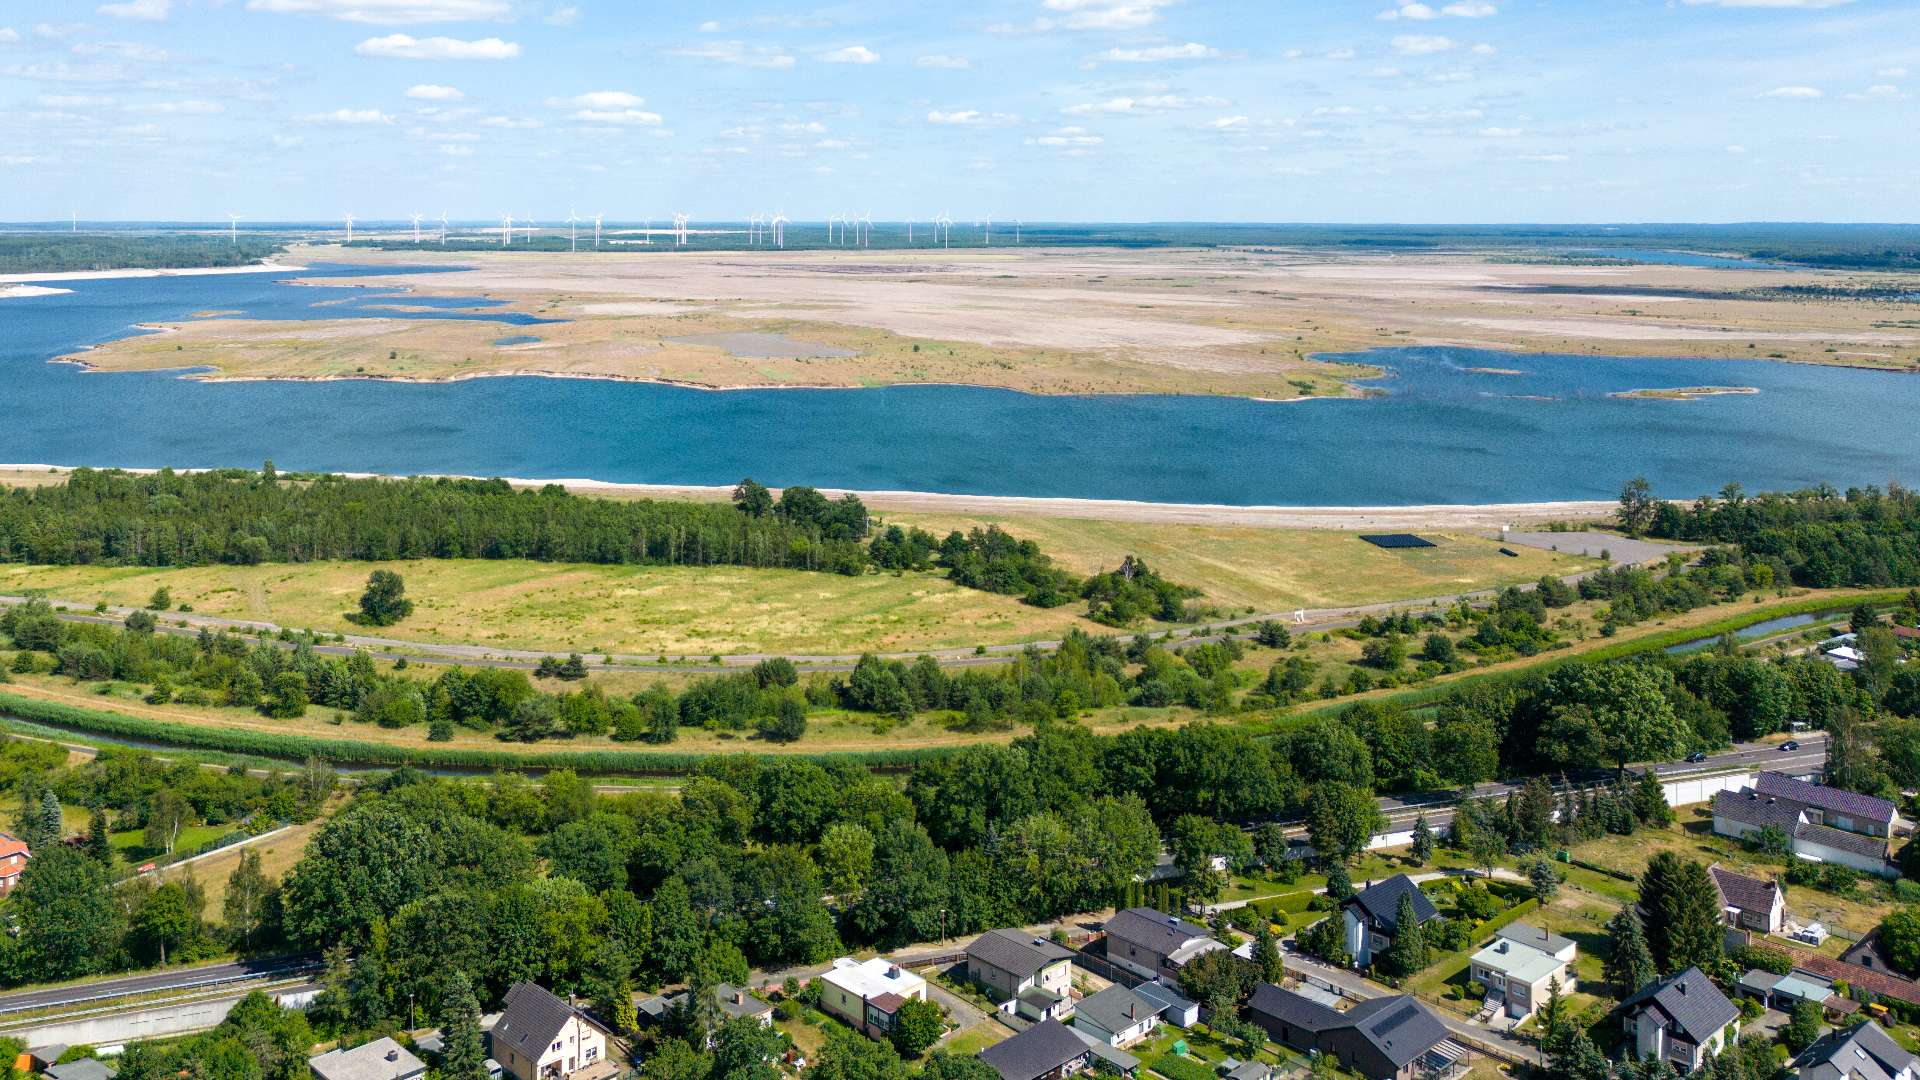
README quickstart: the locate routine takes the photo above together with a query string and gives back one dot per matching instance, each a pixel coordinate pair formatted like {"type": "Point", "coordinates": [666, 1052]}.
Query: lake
{"type": "Point", "coordinates": [1675, 258]}
{"type": "Point", "coordinates": [1444, 432]}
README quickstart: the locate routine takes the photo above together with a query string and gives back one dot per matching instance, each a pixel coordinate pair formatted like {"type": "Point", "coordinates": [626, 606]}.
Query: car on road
{"type": "Point", "coordinates": [1789, 745]}
{"type": "Point", "coordinates": [1697, 757]}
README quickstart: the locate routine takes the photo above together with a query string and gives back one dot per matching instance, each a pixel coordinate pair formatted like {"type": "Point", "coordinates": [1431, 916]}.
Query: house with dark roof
{"type": "Point", "coordinates": [1116, 1016]}
{"type": "Point", "coordinates": [543, 1037]}
{"type": "Point", "coordinates": [1749, 903]}
{"type": "Point", "coordinates": [1883, 983]}
{"type": "Point", "coordinates": [1864, 1053]}
{"type": "Point", "coordinates": [1869, 953]}
{"type": "Point", "coordinates": [1846, 811]}
{"type": "Point", "coordinates": [1046, 1051]}
{"type": "Point", "coordinates": [1149, 943]}
{"type": "Point", "coordinates": [1372, 914]}
{"type": "Point", "coordinates": [1008, 963]}
{"type": "Point", "coordinates": [1681, 1020]}
{"type": "Point", "coordinates": [1389, 1038]}
{"type": "Point", "coordinates": [1747, 811]}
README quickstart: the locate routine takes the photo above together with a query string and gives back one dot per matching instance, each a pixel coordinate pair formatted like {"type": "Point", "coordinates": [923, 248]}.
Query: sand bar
{"type": "Point", "coordinates": [186, 271]}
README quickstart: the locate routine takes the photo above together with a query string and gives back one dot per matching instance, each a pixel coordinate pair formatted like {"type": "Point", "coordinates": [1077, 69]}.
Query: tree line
{"type": "Point", "coordinates": [63, 253]}
{"type": "Point", "coordinates": [1820, 537]}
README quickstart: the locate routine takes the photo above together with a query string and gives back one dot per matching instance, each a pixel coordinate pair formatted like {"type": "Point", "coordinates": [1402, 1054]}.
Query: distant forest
{"type": "Point", "coordinates": [65, 253]}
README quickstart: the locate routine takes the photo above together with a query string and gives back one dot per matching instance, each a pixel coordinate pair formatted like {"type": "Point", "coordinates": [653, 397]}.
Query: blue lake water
{"type": "Point", "coordinates": [1442, 434]}
{"type": "Point", "coordinates": [1673, 258]}
{"type": "Point", "coordinates": [1760, 630]}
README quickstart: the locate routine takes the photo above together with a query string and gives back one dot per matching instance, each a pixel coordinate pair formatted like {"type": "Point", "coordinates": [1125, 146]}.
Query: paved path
{"type": "Point", "coordinates": [1349, 980]}
{"type": "Point", "coordinates": [156, 981]}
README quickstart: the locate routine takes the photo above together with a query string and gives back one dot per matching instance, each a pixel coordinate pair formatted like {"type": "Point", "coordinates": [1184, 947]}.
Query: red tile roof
{"type": "Point", "coordinates": [1880, 982]}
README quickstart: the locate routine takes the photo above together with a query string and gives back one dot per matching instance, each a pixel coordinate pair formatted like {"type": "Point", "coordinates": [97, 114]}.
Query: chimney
{"type": "Point", "coordinates": [394, 1054]}
{"type": "Point", "coordinates": [739, 997]}
{"type": "Point", "coordinates": [1133, 1011]}
{"type": "Point", "coordinates": [1682, 987]}
{"type": "Point", "coordinates": [893, 972]}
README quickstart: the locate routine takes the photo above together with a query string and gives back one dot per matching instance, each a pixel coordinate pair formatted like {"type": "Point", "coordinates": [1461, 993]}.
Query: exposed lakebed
{"type": "Point", "coordinates": [1521, 428]}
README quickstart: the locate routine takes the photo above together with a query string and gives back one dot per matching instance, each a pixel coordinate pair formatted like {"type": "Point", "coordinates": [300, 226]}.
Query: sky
{"type": "Point", "coordinates": [1046, 110]}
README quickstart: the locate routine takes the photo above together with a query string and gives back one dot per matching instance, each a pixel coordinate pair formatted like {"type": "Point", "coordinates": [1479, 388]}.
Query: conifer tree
{"type": "Point", "coordinates": [1683, 926]}
{"type": "Point", "coordinates": [1630, 965]}
{"type": "Point", "coordinates": [464, 1058]}
{"type": "Point", "coordinates": [99, 845]}
{"type": "Point", "coordinates": [1408, 953]}
{"type": "Point", "coordinates": [1266, 954]}
{"type": "Point", "coordinates": [51, 825]}
{"type": "Point", "coordinates": [1339, 884]}
{"type": "Point", "coordinates": [1422, 841]}
{"type": "Point", "coordinates": [1650, 801]}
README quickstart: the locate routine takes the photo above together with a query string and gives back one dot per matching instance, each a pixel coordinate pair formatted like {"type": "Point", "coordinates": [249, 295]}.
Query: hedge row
{"type": "Point", "coordinates": [296, 748]}
{"type": "Point", "coordinates": [1175, 1067]}
{"type": "Point", "coordinates": [1620, 874]}
{"type": "Point", "coordinates": [1434, 693]}
{"type": "Point", "coordinates": [1505, 917]}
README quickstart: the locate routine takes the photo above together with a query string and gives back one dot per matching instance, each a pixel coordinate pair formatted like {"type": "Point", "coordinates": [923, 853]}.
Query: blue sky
{"type": "Point", "coordinates": [1060, 110]}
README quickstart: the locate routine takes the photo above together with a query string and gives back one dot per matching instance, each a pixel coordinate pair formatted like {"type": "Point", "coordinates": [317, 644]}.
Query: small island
{"type": "Point", "coordinates": [1687, 393]}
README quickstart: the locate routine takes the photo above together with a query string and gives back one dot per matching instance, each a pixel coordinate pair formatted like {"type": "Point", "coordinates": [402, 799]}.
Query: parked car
{"type": "Point", "coordinates": [1697, 757]}
{"type": "Point", "coordinates": [1789, 745]}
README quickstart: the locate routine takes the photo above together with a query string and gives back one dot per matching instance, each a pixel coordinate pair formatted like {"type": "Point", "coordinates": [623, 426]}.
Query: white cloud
{"type": "Point", "coordinates": [402, 47]}
{"type": "Point", "coordinates": [854, 54]}
{"type": "Point", "coordinates": [1067, 137]}
{"type": "Point", "coordinates": [566, 16]}
{"type": "Point", "coordinates": [601, 99]}
{"type": "Point", "coordinates": [63, 31]}
{"type": "Point", "coordinates": [391, 12]}
{"type": "Point", "coordinates": [1231, 123]}
{"type": "Point", "coordinates": [1469, 9]}
{"type": "Point", "coordinates": [1189, 51]}
{"type": "Point", "coordinates": [131, 50]}
{"type": "Point", "coordinates": [1499, 132]}
{"type": "Point", "coordinates": [179, 108]}
{"type": "Point", "coordinates": [1451, 76]}
{"type": "Point", "coordinates": [1473, 9]}
{"type": "Point", "coordinates": [346, 116]}
{"type": "Point", "coordinates": [737, 52]}
{"type": "Point", "coordinates": [1892, 73]}
{"type": "Point", "coordinates": [508, 122]}
{"type": "Point", "coordinates": [1168, 101]}
{"type": "Point", "coordinates": [61, 71]}
{"type": "Point", "coordinates": [69, 101]}
{"type": "Point", "coordinates": [1485, 50]}
{"type": "Point", "coordinates": [1292, 54]}
{"type": "Point", "coordinates": [1409, 11]}
{"type": "Point", "coordinates": [287, 142]}
{"type": "Point", "coordinates": [9, 35]}
{"type": "Point", "coordinates": [430, 92]}
{"type": "Point", "coordinates": [457, 151]}
{"type": "Point", "coordinates": [815, 128]}
{"type": "Point", "coordinates": [1770, 3]}
{"type": "Point", "coordinates": [1339, 110]}
{"type": "Point", "coordinates": [1544, 157]}
{"type": "Point", "coordinates": [1341, 54]}
{"type": "Point", "coordinates": [1381, 73]}
{"type": "Point", "coordinates": [973, 118]}
{"type": "Point", "coordinates": [1791, 93]}
{"type": "Point", "coordinates": [623, 117]}
{"type": "Point", "coordinates": [138, 10]}
{"type": "Point", "coordinates": [766, 22]}
{"type": "Point", "coordinates": [955, 62]}
{"type": "Point", "coordinates": [1881, 93]}
{"type": "Point", "coordinates": [1122, 106]}
{"type": "Point", "coordinates": [1736, 149]}
{"type": "Point", "coordinates": [1422, 44]}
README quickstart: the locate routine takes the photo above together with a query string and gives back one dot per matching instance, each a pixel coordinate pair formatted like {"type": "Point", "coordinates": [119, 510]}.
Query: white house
{"type": "Point", "coordinates": [1519, 970]}
{"type": "Point", "coordinates": [866, 995]}
{"type": "Point", "coordinates": [542, 1037]}
{"type": "Point", "coordinates": [1748, 903]}
{"type": "Point", "coordinates": [1117, 1016]}
{"type": "Point", "coordinates": [1371, 916]}
{"type": "Point", "coordinates": [1681, 1020]}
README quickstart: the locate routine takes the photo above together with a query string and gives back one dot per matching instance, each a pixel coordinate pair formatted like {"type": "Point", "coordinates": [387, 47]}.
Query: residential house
{"type": "Point", "coordinates": [1844, 810]}
{"type": "Point", "coordinates": [1107, 1058]}
{"type": "Point", "coordinates": [1116, 1016]}
{"type": "Point", "coordinates": [1235, 1069]}
{"type": "Point", "coordinates": [1046, 1051]}
{"type": "Point", "coordinates": [1745, 812]}
{"type": "Point", "coordinates": [1519, 976]}
{"type": "Point", "coordinates": [1681, 1020]}
{"type": "Point", "coordinates": [1563, 949]}
{"type": "Point", "coordinates": [381, 1059]}
{"type": "Point", "coordinates": [1370, 916]}
{"type": "Point", "coordinates": [13, 861]}
{"type": "Point", "coordinates": [737, 1001]}
{"type": "Point", "coordinates": [85, 1068]}
{"type": "Point", "coordinates": [1864, 1053]}
{"type": "Point", "coordinates": [1388, 1038]}
{"type": "Point", "coordinates": [1748, 903]}
{"type": "Point", "coordinates": [1883, 983]}
{"type": "Point", "coordinates": [868, 995]}
{"type": "Point", "coordinates": [1175, 1008]}
{"type": "Point", "coordinates": [1869, 953]}
{"type": "Point", "coordinates": [543, 1037]}
{"type": "Point", "coordinates": [1148, 943]}
{"type": "Point", "coordinates": [1783, 992]}
{"type": "Point", "coordinates": [1008, 963]}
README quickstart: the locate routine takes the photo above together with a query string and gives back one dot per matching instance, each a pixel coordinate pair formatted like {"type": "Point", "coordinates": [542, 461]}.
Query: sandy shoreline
{"type": "Point", "coordinates": [189, 271]}
{"type": "Point", "coordinates": [1388, 518]}
{"type": "Point", "coordinates": [11, 291]}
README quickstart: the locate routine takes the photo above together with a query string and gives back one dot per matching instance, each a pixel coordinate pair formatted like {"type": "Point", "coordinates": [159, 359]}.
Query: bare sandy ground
{"type": "Point", "coordinates": [91, 275]}
{"type": "Point", "coordinates": [1485, 516]}
{"type": "Point", "coordinates": [9, 291]}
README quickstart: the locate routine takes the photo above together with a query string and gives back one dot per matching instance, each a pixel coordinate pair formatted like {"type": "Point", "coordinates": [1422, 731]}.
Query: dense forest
{"type": "Point", "coordinates": [64, 253]}
{"type": "Point", "coordinates": [1820, 537]}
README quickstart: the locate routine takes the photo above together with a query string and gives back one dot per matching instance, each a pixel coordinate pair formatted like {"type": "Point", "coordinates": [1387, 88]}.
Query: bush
{"type": "Point", "coordinates": [1175, 1067]}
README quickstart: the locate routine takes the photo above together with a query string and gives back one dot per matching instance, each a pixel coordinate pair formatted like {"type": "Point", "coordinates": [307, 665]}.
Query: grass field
{"type": "Point", "coordinates": [637, 610]}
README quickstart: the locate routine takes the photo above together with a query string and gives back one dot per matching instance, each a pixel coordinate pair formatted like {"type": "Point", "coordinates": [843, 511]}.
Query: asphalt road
{"type": "Point", "coordinates": [155, 981]}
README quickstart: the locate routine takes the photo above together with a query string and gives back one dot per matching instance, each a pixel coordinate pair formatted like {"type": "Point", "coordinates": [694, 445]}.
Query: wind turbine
{"type": "Point", "coordinates": [989, 230]}
{"type": "Point", "coordinates": [506, 229]}
{"type": "Point", "coordinates": [76, 221]}
{"type": "Point", "coordinates": [649, 238]}
{"type": "Point", "coordinates": [348, 218]}
{"type": "Point", "coordinates": [866, 233]}
{"type": "Point", "coordinates": [416, 227]}
{"type": "Point", "coordinates": [573, 225]}
{"type": "Point", "coordinates": [909, 229]}
{"type": "Point", "coordinates": [680, 229]}
{"type": "Point", "coordinates": [233, 227]}
{"type": "Point", "coordinates": [530, 228]}
{"type": "Point", "coordinates": [443, 228]}
{"type": "Point", "coordinates": [780, 234]}
{"type": "Point", "coordinates": [1016, 230]}
{"type": "Point", "coordinates": [596, 228]}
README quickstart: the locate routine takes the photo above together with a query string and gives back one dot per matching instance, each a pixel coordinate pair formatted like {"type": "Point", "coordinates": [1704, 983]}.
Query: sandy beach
{"type": "Point", "coordinates": [10, 291]}
{"type": "Point", "coordinates": [92, 275]}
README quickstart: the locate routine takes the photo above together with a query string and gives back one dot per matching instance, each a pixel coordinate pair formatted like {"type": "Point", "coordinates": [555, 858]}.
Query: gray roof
{"type": "Point", "coordinates": [1250, 1070]}
{"type": "Point", "coordinates": [1760, 982]}
{"type": "Point", "coordinates": [83, 1069]}
{"type": "Point", "coordinates": [1871, 847]}
{"type": "Point", "coordinates": [1849, 803]}
{"type": "Point", "coordinates": [1867, 1050]}
{"type": "Point", "coordinates": [1040, 996]}
{"type": "Point", "coordinates": [751, 1006]}
{"type": "Point", "coordinates": [1752, 808]}
{"type": "Point", "coordinates": [1099, 1048]}
{"type": "Point", "coordinates": [1164, 998]}
{"type": "Point", "coordinates": [1401, 1028]}
{"type": "Point", "coordinates": [1743, 892]}
{"type": "Point", "coordinates": [1292, 1009]}
{"type": "Point", "coordinates": [1116, 1008]}
{"type": "Point", "coordinates": [1034, 1052]}
{"type": "Point", "coordinates": [1016, 952]}
{"type": "Point", "coordinates": [432, 1044]}
{"type": "Point", "coordinates": [531, 1019]}
{"type": "Point", "coordinates": [1161, 933]}
{"type": "Point", "coordinates": [1690, 1000]}
{"type": "Point", "coordinates": [1534, 936]}
{"type": "Point", "coordinates": [1382, 901]}
{"type": "Point", "coordinates": [381, 1059]}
